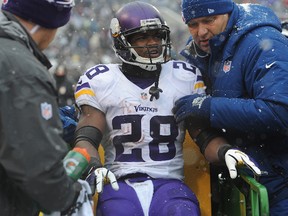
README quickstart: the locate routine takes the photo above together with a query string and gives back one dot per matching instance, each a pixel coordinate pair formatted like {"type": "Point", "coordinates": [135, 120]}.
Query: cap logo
{"type": "Point", "coordinates": [211, 10]}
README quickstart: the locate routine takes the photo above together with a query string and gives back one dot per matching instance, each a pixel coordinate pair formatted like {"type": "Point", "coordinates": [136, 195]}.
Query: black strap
{"type": "Point", "coordinates": [154, 91]}
{"type": "Point", "coordinates": [222, 151]}
{"type": "Point", "coordinates": [135, 175]}
{"type": "Point", "coordinates": [90, 134]}
{"type": "Point", "coordinates": [205, 136]}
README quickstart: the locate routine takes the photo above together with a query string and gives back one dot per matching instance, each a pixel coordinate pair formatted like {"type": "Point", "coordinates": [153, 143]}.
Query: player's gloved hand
{"type": "Point", "coordinates": [68, 116]}
{"type": "Point", "coordinates": [235, 157]}
{"type": "Point", "coordinates": [83, 206]}
{"type": "Point", "coordinates": [98, 177]}
{"type": "Point", "coordinates": [196, 107]}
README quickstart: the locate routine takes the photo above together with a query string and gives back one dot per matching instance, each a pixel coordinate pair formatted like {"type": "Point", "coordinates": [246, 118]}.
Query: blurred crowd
{"type": "Point", "coordinates": [85, 41]}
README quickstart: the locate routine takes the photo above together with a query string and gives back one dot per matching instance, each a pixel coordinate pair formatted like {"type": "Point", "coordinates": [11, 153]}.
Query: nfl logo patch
{"type": "Point", "coordinates": [227, 66]}
{"type": "Point", "coordinates": [144, 96]}
{"type": "Point", "coordinates": [46, 110]}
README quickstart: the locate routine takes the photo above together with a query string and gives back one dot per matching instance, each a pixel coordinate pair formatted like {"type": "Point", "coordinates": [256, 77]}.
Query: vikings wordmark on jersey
{"type": "Point", "coordinates": [133, 120]}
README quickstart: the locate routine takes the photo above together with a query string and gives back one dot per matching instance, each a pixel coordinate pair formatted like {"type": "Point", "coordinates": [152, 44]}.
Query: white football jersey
{"type": "Point", "coordinates": [142, 135]}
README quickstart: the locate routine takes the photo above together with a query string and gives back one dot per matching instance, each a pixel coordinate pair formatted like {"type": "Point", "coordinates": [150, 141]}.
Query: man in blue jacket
{"type": "Point", "coordinates": [243, 58]}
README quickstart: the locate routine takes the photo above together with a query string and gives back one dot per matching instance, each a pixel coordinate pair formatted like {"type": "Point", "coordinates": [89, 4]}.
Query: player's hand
{"type": "Point", "coordinates": [234, 158]}
{"type": "Point", "coordinates": [98, 177]}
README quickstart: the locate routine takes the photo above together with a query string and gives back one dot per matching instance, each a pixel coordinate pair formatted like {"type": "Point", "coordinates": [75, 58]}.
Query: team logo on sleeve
{"type": "Point", "coordinates": [46, 110]}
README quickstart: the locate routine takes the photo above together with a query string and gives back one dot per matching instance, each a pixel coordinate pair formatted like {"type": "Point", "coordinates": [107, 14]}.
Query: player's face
{"type": "Point", "coordinates": [204, 28]}
{"type": "Point", "coordinates": [148, 44]}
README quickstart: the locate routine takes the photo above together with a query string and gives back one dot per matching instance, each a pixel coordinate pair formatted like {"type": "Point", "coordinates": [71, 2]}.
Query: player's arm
{"type": "Point", "coordinates": [88, 135]}
{"type": "Point", "coordinates": [215, 149]}
{"type": "Point", "coordinates": [89, 131]}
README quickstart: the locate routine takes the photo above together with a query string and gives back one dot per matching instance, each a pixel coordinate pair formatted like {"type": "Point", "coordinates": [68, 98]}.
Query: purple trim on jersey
{"type": "Point", "coordinates": [171, 197]}
{"type": "Point", "coordinates": [141, 82]}
{"type": "Point", "coordinates": [84, 85]}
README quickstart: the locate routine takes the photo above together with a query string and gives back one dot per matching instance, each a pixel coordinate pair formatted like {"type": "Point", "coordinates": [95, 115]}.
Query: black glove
{"type": "Point", "coordinates": [196, 107]}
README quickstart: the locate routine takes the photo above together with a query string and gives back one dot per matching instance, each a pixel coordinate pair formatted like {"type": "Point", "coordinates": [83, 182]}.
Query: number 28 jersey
{"type": "Point", "coordinates": [142, 135]}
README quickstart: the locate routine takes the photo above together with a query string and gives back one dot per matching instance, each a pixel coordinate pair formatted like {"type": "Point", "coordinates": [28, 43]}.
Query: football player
{"type": "Point", "coordinates": [128, 108]}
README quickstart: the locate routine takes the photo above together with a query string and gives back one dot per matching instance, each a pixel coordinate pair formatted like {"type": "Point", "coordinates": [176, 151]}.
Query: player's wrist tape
{"type": "Point", "coordinates": [93, 165]}
{"type": "Point", "coordinates": [95, 162]}
{"type": "Point", "coordinates": [222, 151]}
{"type": "Point", "coordinates": [204, 137]}
{"type": "Point", "coordinates": [89, 133]}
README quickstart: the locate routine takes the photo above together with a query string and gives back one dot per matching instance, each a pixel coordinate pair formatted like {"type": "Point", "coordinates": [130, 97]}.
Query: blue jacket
{"type": "Point", "coordinates": [247, 75]}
